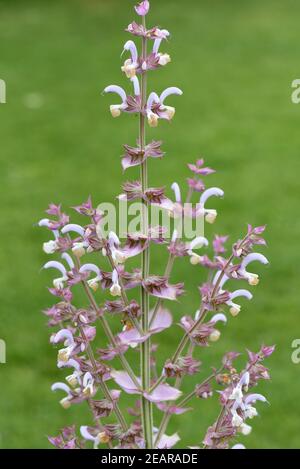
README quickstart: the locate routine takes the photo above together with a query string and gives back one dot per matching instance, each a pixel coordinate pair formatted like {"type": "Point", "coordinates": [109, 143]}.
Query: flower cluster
{"type": "Point", "coordinates": [99, 370]}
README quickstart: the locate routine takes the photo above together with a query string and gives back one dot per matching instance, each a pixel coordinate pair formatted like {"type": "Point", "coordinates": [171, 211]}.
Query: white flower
{"type": "Point", "coordinates": [250, 412]}
{"type": "Point", "coordinates": [234, 307]}
{"type": "Point", "coordinates": [65, 402]}
{"type": "Point", "coordinates": [64, 353]}
{"type": "Point", "coordinates": [197, 243]}
{"type": "Point", "coordinates": [237, 394]}
{"type": "Point", "coordinates": [93, 283]}
{"type": "Point", "coordinates": [253, 279]}
{"type": "Point", "coordinates": [130, 65]}
{"type": "Point", "coordinates": [236, 419]}
{"type": "Point", "coordinates": [245, 429]}
{"type": "Point", "coordinates": [115, 289]}
{"type": "Point", "coordinates": [88, 384]}
{"type": "Point", "coordinates": [164, 59]}
{"type": "Point", "coordinates": [101, 437]}
{"type": "Point", "coordinates": [50, 247]}
{"type": "Point", "coordinates": [209, 214]}
{"type": "Point", "coordinates": [57, 282]}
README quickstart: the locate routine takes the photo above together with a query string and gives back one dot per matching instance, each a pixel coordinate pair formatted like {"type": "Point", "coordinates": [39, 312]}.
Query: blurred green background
{"type": "Point", "coordinates": [235, 61]}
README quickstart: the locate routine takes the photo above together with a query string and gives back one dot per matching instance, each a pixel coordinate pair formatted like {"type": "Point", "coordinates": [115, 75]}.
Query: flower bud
{"type": "Point", "coordinates": [64, 354]}
{"type": "Point", "coordinates": [58, 283]}
{"type": "Point", "coordinates": [224, 379]}
{"type": "Point", "coordinates": [253, 279]}
{"type": "Point", "coordinates": [152, 119]}
{"type": "Point", "coordinates": [215, 335]}
{"type": "Point", "coordinates": [78, 249]}
{"type": "Point", "coordinates": [87, 391]}
{"type": "Point", "coordinates": [115, 110]}
{"type": "Point", "coordinates": [93, 283]}
{"type": "Point", "coordinates": [250, 412]}
{"type": "Point", "coordinates": [65, 403]}
{"type": "Point", "coordinates": [50, 247]}
{"type": "Point", "coordinates": [211, 216]}
{"type": "Point", "coordinates": [72, 380]}
{"type": "Point", "coordinates": [234, 310]}
{"type": "Point", "coordinates": [170, 112]}
{"type": "Point", "coordinates": [129, 69]}
{"type": "Point", "coordinates": [237, 421]}
{"type": "Point", "coordinates": [164, 59]}
{"type": "Point", "coordinates": [115, 290]}
{"type": "Point", "coordinates": [236, 394]}
{"type": "Point", "coordinates": [245, 429]}
{"type": "Point", "coordinates": [103, 437]}
{"type": "Point", "coordinates": [195, 259]}
{"type": "Point", "coordinates": [120, 257]}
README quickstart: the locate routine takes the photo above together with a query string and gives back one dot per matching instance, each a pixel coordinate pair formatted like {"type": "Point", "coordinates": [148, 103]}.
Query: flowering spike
{"type": "Point", "coordinates": [90, 378]}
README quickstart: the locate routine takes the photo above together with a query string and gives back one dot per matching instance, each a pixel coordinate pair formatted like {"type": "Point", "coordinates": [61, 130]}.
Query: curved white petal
{"type": "Point", "coordinates": [238, 293]}
{"type": "Point", "coordinates": [70, 364]}
{"type": "Point", "coordinates": [61, 387]}
{"type": "Point", "coordinates": [153, 98]}
{"type": "Point", "coordinates": [223, 280]}
{"type": "Point", "coordinates": [56, 265]}
{"type": "Point", "coordinates": [255, 397]}
{"type": "Point", "coordinates": [118, 90]}
{"type": "Point", "coordinates": [244, 381]}
{"type": "Point", "coordinates": [136, 86]}
{"type": "Point", "coordinates": [44, 222]}
{"type": "Point", "coordinates": [91, 268]}
{"type": "Point", "coordinates": [113, 239]}
{"type": "Point", "coordinates": [156, 46]}
{"type": "Point", "coordinates": [219, 317]}
{"type": "Point", "coordinates": [66, 257]}
{"type": "Point", "coordinates": [176, 189]}
{"type": "Point", "coordinates": [130, 46]}
{"type": "Point", "coordinates": [87, 379]}
{"type": "Point", "coordinates": [86, 434]}
{"type": "Point", "coordinates": [174, 235]}
{"type": "Point", "coordinates": [115, 276]}
{"type": "Point", "coordinates": [254, 256]}
{"type": "Point", "coordinates": [213, 191]}
{"type": "Point", "coordinates": [64, 334]}
{"type": "Point", "coordinates": [169, 92]}
{"type": "Point", "coordinates": [199, 241]}
{"type": "Point", "coordinates": [73, 227]}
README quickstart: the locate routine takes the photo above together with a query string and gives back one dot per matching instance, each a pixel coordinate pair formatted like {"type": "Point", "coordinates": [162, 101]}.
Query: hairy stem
{"type": "Point", "coordinates": [110, 335]}
{"type": "Point", "coordinates": [168, 268]}
{"type": "Point", "coordinates": [101, 383]}
{"type": "Point", "coordinates": [147, 419]}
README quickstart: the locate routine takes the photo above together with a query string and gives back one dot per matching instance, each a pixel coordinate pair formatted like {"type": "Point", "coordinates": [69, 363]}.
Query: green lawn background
{"type": "Point", "coordinates": [235, 61]}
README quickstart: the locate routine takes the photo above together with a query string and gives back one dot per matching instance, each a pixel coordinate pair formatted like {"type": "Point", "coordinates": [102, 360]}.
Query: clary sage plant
{"type": "Point", "coordinates": [107, 346]}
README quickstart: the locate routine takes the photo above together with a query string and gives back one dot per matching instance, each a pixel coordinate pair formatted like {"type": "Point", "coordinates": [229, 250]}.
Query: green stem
{"type": "Point", "coordinates": [147, 419]}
